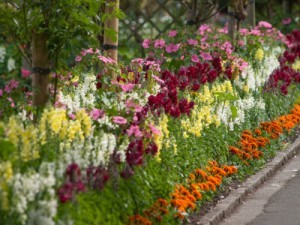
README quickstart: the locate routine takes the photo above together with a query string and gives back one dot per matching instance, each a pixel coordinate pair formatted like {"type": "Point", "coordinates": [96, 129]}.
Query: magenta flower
{"type": "Point", "coordinates": [158, 79]}
{"type": "Point", "coordinates": [204, 28]}
{"type": "Point", "coordinates": [106, 59]}
{"type": "Point", "coordinates": [97, 113]}
{"type": "Point", "coordinates": [192, 42]}
{"type": "Point", "coordinates": [119, 120]}
{"type": "Point", "coordinates": [127, 87]}
{"type": "Point", "coordinates": [78, 58]}
{"type": "Point", "coordinates": [195, 58]}
{"type": "Point", "coordinates": [72, 116]}
{"type": "Point", "coordinates": [264, 24]}
{"type": "Point", "coordinates": [1, 92]}
{"type": "Point", "coordinates": [159, 43]}
{"type": "Point", "coordinates": [172, 33]}
{"type": "Point", "coordinates": [243, 31]}
{"type": "Point", "coordinates": [286, 21]}
{"type": "Point", "coordinates": [146, 43]}
{"type": "Point", "coordinates": [172, 48]}
{"type": "Point", "coordinates": [134, 130]}
{"type": "Point", "coordinates": [206, 56]}
{"type": "Point", "coordinates": [25, 73]}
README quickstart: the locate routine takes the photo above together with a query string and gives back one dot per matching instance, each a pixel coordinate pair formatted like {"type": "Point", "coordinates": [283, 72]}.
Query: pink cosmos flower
{"type": "Point", "coordinates": [97, 113]}
{"type": "Point", "coordinates": [286, 21]}
{"type": "Point", "coordinates": [78, 58]}
{"type": "Point", "coordinates": [204, 28]}
{"type": "Point", "coordinates": [195, 58]}
{"type": "Point", "coordinates": [134, 130]}
{"type": "Point", "coordinates": [172, 48]}
{"type": "Point", "coordinates": [146, 43]}
{"type": "Point", "coordinates": [159, 43]}
{"type": "Point", "coordinates": [206, 56]}
{"type": "Point", "coordinates": [25, 73]}
{"type": "Point", "coordinates": [119, 120]}
{"type": "Point", "coordinates": [127, 87]}
{"type": "Point", "coordinates": [172, 33]}
{"type": "Point", "coordinates": [192, 42]}
{"type": "Point", "coordinates": [264, 24]}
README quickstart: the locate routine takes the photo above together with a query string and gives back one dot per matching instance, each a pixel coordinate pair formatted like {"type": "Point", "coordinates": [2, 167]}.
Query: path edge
{"type": "Point", "coordinates": [227, 206]}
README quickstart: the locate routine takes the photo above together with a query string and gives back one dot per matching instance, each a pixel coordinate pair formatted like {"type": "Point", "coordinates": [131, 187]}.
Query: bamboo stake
{"type": "Point", "coordinates": [40, 67]}
{"type": "Point", "coordinates": [109, 45]}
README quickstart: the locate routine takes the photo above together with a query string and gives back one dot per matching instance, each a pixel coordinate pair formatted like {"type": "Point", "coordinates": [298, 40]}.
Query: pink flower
{"type": "Point", "coordinates": [264, 24]}
{"type": "Point", "coordinates": [119, 120]}
{"type": "Point", "coordinates": [127, 87]}
{"type": "Point", "coordinates": [25, 73]}
{"type": "Point", "coordinates": [97, 113]}
{"type": "Point", "coordinates": [227, 46]}
{"type": "Point", "coordinates": [11, 101]}
{"type": "Point", "coordinates": [241, 43]}
{"type": "Point", "coordinates": [134, 130]}
{"type": "Point", "coordinates": [146, 43]}
{"type": "Point", "coordinates": [1, 92]}
{"type": "Point", "coordinates": [243, 31]}
{"type": "Point", "coordinates": [85, 51]}
{"type": "Point", "coordinates": [286, 21]}
{"type": "Point", "coordinates": [106, 59]}
{"type": "Point", "coordinates": [72, 116]}
{"type": "Point", "coordinates": [203, 40]}
{"type": "Point", "coordinates": [172, 48]}
{"type": "Point", "coordinates": [255, 32]}
{"type": "Point", "coordinates": [159, 43]}
{"type": "Point", "coordinates": [204, 28]}
{"type": "Point", "coordinates": [78, 58]}
{"type": "Point", "coordinates": [172, 33]}
{"type": "Point", "coordinates": [154, 129]}
{"type": "Point", "coordinates": [158, 79]}
{"type": "Point", "coordinates": [206, 56]}
{"type": "Point", "coordinates": [192, 42]}
{"type": "Point", "coordinates": [195, 58]}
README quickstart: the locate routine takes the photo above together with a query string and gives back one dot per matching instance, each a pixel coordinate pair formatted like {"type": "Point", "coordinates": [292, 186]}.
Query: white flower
{"type": "Point", "coordinates": [11, 64]}
{"type": "Point", "coordinates": [2, 53]}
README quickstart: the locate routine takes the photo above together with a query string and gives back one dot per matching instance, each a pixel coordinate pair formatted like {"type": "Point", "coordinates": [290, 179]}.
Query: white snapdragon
{"type": "Point", "coordinates": [28, 203]}
{"type": "Point", "coordinates": [2, 53]}
{"type": "Point", "coordinates": [11, 64]}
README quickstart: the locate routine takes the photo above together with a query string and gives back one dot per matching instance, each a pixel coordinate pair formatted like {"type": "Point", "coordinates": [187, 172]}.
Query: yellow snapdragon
{"type": "Point", "coordinates": [259, 54]}
{"type": "Point", "coordinates": [6, 172]}
{"type": "Point", "coordinates": [296, 65]}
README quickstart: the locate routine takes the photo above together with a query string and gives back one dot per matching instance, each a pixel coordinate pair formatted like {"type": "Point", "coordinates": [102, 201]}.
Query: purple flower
{"type": "Point", "coordinates": [119, 120]}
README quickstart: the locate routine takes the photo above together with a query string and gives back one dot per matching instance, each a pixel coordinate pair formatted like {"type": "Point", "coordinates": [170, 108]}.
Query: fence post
{"type": "Point", "coordinates": [251, 20]}
{"type": "Point", "coordinates": [110, 45]}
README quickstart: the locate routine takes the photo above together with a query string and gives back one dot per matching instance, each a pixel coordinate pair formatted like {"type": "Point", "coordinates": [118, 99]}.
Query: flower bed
{"type": "Point", "coordinates": [148, 142]}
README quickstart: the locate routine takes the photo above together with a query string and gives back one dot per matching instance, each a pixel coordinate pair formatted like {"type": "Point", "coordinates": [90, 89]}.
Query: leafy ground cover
{"type": "Point", "coordinates": [148, 142]}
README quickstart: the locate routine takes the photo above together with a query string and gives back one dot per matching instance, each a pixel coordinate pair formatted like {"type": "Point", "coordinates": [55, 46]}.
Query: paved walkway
{"type": "Point", "coordinates": [276, 202]}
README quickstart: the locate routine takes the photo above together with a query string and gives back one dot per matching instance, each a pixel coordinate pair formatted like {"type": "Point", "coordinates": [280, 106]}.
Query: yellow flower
{"type": "Point", "coordinates": [259, 54]}
{"type": "Point", "coordinates": [296, 65]}
{"type": "Point", "coordinates": [246, 88]}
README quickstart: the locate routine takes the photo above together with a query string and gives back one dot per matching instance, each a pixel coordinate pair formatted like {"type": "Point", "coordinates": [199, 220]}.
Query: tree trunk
{"type": "Point", "coordinates": [109, 45]}
{"type": "Point", "coordinates": [251, 20]}
{"type": "Point", "coordinates": [40, 67]}
{"type": "Point", "coordinates": [231, 23]}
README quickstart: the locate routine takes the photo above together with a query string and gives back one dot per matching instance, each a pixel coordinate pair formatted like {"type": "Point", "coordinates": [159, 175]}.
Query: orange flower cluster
{"type": "Point", "coordinates": [249, 145]}
{"type": "Point", "coordinates": [199, 181]}
{"type": "Point", "coordinates": [184, 198]}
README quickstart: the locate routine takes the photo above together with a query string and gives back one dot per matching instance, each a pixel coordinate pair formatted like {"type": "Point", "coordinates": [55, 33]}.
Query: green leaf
{"type": "Point", "coordinates": [225, 96]}
{"type": "Point", "coordinates": [233, 111]}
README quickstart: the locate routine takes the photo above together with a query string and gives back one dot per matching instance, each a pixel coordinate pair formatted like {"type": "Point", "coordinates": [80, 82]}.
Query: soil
{"type": "Point", "coordinates": [206, 207]}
